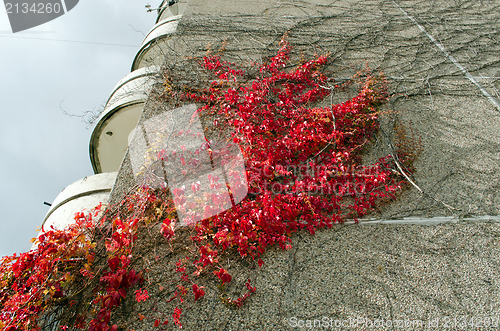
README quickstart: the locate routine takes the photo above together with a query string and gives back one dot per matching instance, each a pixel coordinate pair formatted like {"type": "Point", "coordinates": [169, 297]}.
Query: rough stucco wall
{"type": "Point", "coordinates": [412, 273]}
{"type": "Point", "coordinates": [388, 272]}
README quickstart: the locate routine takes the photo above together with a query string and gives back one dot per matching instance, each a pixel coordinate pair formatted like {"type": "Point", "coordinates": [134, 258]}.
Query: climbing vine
{"type": "Point", "coordinates": [303, 170]}
{"type": "Point", "coordinates": [36, 280]}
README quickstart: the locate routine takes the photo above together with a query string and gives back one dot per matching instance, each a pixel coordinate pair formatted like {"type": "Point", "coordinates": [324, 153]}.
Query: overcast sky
{"type": "Point", "coordinates": [42, 150]}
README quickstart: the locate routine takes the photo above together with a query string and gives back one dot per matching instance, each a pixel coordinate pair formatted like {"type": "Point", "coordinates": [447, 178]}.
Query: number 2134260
{"type": "Point", "coordinates": [33, 8]}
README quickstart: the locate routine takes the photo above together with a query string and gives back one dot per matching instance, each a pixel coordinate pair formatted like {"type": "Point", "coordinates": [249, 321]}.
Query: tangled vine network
{"type": "Point", "coordinates": [304, 169]}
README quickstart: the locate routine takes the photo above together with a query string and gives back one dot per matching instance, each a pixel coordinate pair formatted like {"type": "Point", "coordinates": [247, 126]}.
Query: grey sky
{"type": "Point", "coordinates": [42, 150]}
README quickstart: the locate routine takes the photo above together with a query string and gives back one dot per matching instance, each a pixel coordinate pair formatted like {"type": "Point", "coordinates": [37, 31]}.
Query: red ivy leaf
{"type": "Point", "coordinates": [141, 295]}
{"type": "Point", "coordinates": [223, 275]}
{"type": "Point", "coordinates": [198, 292]}
{"type": "Point", "coordinates": [113, 263]}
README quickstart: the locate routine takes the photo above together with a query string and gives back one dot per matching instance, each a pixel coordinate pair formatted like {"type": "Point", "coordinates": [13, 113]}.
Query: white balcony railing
{"type": "Point", "coordinates": [82, 195]}
{"type": "Point", "coordinates": [109, 140]}
{"type": "Point", "coordinates": [154, 46]}
{"type": "Point", "coordinates": [169, 8]}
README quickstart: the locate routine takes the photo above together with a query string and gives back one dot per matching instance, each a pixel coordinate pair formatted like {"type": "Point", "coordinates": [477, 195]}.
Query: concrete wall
{"type": "Point", "coordinates": [416, 273]}
{"type": "Point", "coordinates": [354, 275]}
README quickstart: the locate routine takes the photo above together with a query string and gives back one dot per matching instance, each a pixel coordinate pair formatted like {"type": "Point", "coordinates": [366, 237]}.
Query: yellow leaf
{"type": "Point", "coordinates": [68, 277]}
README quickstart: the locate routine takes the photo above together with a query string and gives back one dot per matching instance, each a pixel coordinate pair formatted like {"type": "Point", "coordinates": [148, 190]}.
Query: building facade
{"type": "Point", "coordinates": [349, 277]}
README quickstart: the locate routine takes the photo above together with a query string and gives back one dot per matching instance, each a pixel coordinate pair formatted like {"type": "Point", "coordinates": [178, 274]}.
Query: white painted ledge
{"type": "Point", "coordinates": [429, 221]}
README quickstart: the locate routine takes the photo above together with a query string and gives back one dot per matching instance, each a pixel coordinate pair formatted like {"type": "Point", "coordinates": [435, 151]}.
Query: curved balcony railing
{"type": "Point", "coordinates": [109, 140]}
{"type": "Point", "coordinates": [153, 49]}
{"type": "Point", "coordinates": [82, 195]}
{"type": "Point", "coordinates": [169, 8]}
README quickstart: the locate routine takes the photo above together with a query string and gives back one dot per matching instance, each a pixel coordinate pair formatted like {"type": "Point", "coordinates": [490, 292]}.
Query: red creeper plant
{"type": "Point", "coordinates": [120, 277]}
{"type": "Point", "coordinates": [303, 162]}
{"type": "Point", "coordinates": [35, 281]}
{"type": "Point", "coordinates": [303, 170]}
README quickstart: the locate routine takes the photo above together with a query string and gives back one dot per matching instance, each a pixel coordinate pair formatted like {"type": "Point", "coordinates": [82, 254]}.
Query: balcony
{"type": "Point", "coordinates": [109, 140]}
{"type": "Point", "coordinates": [154, 46]}
{"type": "Point", "coordinates": [169, 8]}
{"type": "Point", "coordinates": [82, 195]}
